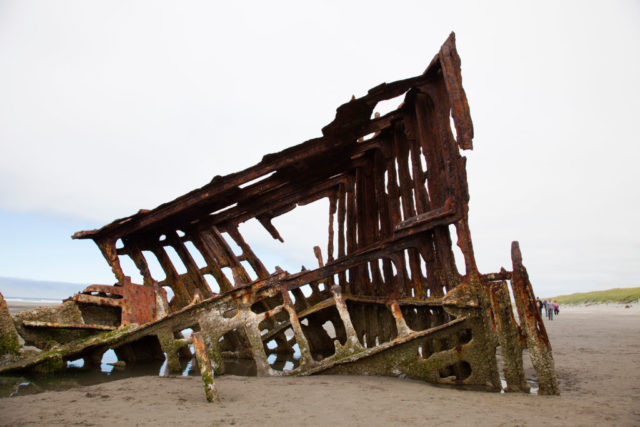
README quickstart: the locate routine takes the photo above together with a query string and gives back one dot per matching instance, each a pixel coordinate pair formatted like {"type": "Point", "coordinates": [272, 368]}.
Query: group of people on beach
{"type": "Point", "coordinates": [551, 308]}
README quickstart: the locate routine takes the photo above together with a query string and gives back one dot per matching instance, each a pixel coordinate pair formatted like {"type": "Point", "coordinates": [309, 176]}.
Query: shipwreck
{"type": "Point", "coordinates": [386, 297]}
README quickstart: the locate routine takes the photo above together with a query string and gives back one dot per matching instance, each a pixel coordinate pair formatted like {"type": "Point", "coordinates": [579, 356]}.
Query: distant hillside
{"type": "Point", "coordinates": [12, 287]}
{"type": "Point", "coordinates": [617, 295]}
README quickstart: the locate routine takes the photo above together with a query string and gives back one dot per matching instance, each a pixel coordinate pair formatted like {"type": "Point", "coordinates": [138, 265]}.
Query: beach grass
{"type": "Point", "coordinates": [617, 295]}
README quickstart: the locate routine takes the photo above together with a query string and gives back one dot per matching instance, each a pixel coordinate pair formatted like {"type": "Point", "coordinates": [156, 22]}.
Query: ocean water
{"type": "Point", "coordinates": [33, 300]}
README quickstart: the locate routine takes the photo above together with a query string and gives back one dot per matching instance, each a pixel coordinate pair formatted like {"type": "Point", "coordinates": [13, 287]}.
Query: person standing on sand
{"type": "Point", "coordinates": [549, 309]}
{"type": "Point", "coordinates": [556, 307]}
{"type": "Point", "coordinates": [540, 305]}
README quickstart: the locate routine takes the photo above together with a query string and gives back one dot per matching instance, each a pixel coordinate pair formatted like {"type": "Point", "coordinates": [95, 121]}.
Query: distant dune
{"type": "Point", "coordinates": [610, 296]}
{"type": "Point", "coordinates": [12, 287]}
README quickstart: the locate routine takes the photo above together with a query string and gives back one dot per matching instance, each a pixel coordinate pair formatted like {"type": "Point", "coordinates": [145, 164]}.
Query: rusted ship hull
{"type": "Point", "coordinates": [390, 299]}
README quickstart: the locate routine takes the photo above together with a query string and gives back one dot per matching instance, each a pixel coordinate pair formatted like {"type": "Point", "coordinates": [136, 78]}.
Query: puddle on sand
{"type": "Point", "coordinates": [531, 380]}
{"type": "Point", "coordinates": [77, 374]}
{"type": "Point", "coordinates": [72, 377]}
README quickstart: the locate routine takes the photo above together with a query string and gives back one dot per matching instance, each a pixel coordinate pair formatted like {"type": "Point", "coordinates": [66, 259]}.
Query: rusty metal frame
{"type": "Point", "coordinates": [396, 186]}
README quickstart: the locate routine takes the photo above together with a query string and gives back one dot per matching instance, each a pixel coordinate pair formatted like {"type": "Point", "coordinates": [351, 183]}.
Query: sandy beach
{"type": "Point", "coordinates": [596, 351]}
{"type": "Point", "coordinates": [18, 306]}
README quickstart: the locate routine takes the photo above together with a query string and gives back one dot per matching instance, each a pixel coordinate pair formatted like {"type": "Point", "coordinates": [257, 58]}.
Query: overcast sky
{"type": "Point", "coordinates": [109, 107]}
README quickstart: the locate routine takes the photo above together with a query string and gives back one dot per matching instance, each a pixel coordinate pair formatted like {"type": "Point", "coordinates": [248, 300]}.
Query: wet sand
{"type": "Point", "coordinates": [596, 351]}
{"type": "Point", "coordinates": [18, 306]}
